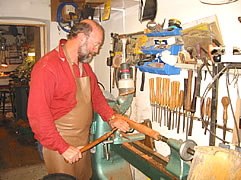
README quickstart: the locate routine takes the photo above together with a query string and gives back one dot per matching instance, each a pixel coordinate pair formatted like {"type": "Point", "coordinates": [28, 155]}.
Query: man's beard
{"type": "Point", "coordinates": [84, 55]}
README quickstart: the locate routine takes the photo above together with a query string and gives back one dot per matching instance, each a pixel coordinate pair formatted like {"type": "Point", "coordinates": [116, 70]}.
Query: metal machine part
{"type": "Point", "coordinates": [183, 151]}
{"type": "Point", "coordinates": [125, 82]}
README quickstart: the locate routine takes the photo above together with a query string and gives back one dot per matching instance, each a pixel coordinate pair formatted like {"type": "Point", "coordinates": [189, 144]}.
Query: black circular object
{"type": "Point", "coordinates": [59, 176]}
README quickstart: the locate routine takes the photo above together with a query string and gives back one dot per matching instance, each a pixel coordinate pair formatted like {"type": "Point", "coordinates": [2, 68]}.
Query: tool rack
{"type": "Point", "coordinates": [218, 69]}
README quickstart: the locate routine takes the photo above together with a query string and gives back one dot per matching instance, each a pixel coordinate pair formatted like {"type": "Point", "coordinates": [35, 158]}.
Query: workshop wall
{"type": "Point", "coordinates": [185, 11]}
{"type": "Point", "coordinates": [127, 22]}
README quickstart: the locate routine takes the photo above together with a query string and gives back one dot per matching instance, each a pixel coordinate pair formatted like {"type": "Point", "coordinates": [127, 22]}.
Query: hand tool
{"type": "Point", "coordinates": [94, 143]}
{"type": "Point", "coordinates": [158, 88]}
{"type": "Point", "coordinates": [208, 113]}
{"type": "Point", "coordinates": [203, 115]}
{"type": "Point", "coordinates": [167, 98]}
{"type": "Point", "coordinates": [162, 101]}
{"type": "Point", "coordinates": [177, 101]}
{"type": "Point", "coordinates": [193, 107]}
{"type": "Point", "coordinates": [164, 98]}
{"type": "Point", "coordinates": [188, 99]}
{"type": "Point", "coordinates": [180, 103]}
{"type": "Point", "coordinates": [225, 103]}
{"type": "Point", "coordinates": [158, 97]}
{"type": "Point", "coordinates": [184, 104]}
{"type": "Point", "coordinates": [152, 98]}
{"type": "Point", "coordinates": [171, 105]}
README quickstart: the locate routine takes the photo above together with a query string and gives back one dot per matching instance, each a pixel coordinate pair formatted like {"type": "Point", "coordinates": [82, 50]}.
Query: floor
{"type": "Point", "coordinates": [19, 156]}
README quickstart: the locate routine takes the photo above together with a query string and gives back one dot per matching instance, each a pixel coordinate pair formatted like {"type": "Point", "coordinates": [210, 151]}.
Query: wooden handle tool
{"type": "Point", "coordinates": [208, 113]}
{"type": "Point", "coordinates": [94, 143]}
{"type": "Point", "coordinates": [180, 103]}
{"type": "Point", "coordinates": [225, 103]}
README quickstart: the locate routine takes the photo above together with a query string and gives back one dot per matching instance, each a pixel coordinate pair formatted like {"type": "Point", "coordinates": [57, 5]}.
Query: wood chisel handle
{"type": "Point", "coordinates": [177, 94]}
{"type": "Point", "coordinates": [164, 91]}
{"type": "Point", "coordinates": [189, 90]}
{"type": "Point", "coordinates": [141, 128]}
{"type": "Point", "coordinates": [151, 85]}
{"type": "Point", "coordinates": [185, 94]}
{"type": "Point", "coordinates": [225, 102]}
{"type": "Point", "coordinates": [167, 89]}
{"type": "Point", "coordinates": [158, 89]}
{"type": "Point", "coordinates": [207, 113]}
{"type": "Point", "coordinates": [194, 97]}
{"type": "Point", "coordinates": [180, 103]}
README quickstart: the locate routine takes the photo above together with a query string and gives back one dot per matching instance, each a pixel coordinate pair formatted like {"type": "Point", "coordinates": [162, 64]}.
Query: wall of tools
{"type": "Point", "coordinates": [193, 99]}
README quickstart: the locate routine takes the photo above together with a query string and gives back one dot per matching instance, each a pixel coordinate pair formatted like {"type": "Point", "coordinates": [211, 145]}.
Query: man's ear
{"type": "Point", "coordinates": [82, 38]}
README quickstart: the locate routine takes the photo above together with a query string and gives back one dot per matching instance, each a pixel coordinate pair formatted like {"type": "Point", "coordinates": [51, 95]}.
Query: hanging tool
{"type": "Point", "coordinates": [152, 98]}
{"type": "Point", "coordinates": [164, 85]}
{"type": "Point", "coordinates": [188, 99]}
{"type": "Point", "coordinates": [180, 103]}
{"type": "Point", "coordinates": [225, 103]}
{"type": "Point", "coordinates": [208, 113]}
{"type": "Point", "coordinates": [203, 115]}
{"type": "Point", "coordinates": [158, 98]}
{"type": "Point", "coordinates": [171, 105]}
{"type": "Point", "coordinates": [193, 107]}
{"type": "Point", "coordinates": [167, 99]}
{"type": "Point", "coordinates": [177, 101]}
{"type": "Point", "coordinates": [184, 104]}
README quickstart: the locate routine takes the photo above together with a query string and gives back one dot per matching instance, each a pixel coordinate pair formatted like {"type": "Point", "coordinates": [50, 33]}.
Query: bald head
{"type": "Point", "coordinates": [85, 26]}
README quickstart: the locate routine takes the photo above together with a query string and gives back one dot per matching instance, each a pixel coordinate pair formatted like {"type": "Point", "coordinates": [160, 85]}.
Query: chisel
{"type": "Point", "coordinates": [184, 104]}
{"type": "Point", "coordinates": [193, 107]}
{"type": "Point", "coordinates": [208, 113]}
{"type": "Point", "coordinates": [225, 103]}
{"type": "Point", "coordinates": [180, 103]}
{"type": "Point", "coordinates": [177, 100]}
{"type": "Point", "coordinates": [158, 98]}
{"type": "Point", "coordinates": [188, 99]}
{"type": "Point", "coordinates": [152, 98]}
{"type": "Point", "coordinates": [171, 105]}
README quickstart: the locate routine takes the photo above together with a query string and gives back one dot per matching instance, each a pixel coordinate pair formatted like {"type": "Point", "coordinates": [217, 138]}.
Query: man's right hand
{"type": "Point", "coordinates": [72, 155]}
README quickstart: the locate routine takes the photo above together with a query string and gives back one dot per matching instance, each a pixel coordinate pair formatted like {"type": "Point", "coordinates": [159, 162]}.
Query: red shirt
{"type": "Point", "coordinates": [53, 94]}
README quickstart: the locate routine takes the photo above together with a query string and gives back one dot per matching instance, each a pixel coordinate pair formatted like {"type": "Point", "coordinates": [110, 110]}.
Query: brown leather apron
{"type": "Point", "coordinates": [74, 127]}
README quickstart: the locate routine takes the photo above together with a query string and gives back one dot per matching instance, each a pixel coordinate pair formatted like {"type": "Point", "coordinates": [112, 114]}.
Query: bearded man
{"type": "Point", "coordinates": [63, 95]}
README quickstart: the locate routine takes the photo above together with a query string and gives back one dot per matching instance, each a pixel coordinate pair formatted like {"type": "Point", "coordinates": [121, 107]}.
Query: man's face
{"type": "Point", "coordinates": [91, 47]}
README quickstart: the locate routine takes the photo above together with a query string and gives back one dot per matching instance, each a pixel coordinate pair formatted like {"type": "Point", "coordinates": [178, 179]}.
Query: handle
{"type": "Point", "coordinates": [142, 81]}
{"type": "Point", "coordinates": [185, 94]}
{"type": "Point", "coordinates": [181, 98]}
{"type": "Point", "coordinates": [152, 95]}
{"type": "Point", "coordinates": [158, 90]}
{"type": "Point", "coordinates": [141, 128]}
{"type": "Point", "coordinates": [194, 97]}
{"type": "Point", "coordinates": [177, 94]}
{"type": "Point", "coordinates": [225, 102]}
{"type": "Point", "coordinates": [189, 90]}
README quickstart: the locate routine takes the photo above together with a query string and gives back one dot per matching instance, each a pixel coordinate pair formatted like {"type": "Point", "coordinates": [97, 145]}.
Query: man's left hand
{"type": "Point", "coordinates": [118, 122]}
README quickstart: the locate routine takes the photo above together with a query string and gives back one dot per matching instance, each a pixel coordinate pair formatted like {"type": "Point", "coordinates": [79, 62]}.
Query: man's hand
{"type": "Point", "coordinates": [72, 155]}
{"type": "Point", "coordinates": [118, 122]}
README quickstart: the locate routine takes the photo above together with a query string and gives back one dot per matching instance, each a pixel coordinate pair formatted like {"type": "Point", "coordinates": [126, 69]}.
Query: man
{"type": "Point", "coordinates": [63, 94]}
